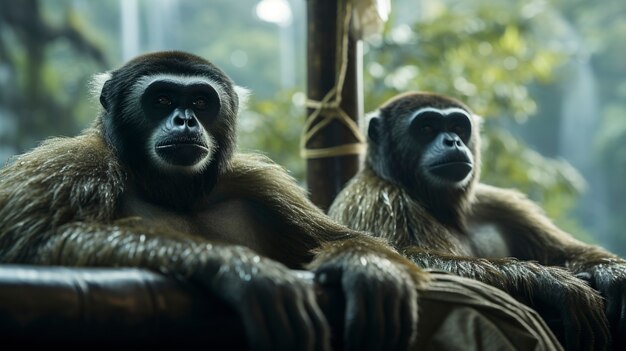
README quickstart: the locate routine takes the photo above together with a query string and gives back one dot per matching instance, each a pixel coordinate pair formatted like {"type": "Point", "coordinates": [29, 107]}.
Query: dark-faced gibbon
{"type": "Point", "coordinates": [420, 190]}
{"type": "Point", "coordinates": [155, 183]}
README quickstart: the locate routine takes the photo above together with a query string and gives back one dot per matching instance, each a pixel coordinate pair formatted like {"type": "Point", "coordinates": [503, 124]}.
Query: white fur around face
{"type": "Point", "coordinates": [243, 94]}
{"type": "Point", "coordinates": [98, 80]}
{"type": "Point", "coordinates": [132, 108]}
{"type": "Point", "coordinates": [199, 167]}
{"type": "Point", "coordinates": [183, 80]}
{"type": "Point", "coordinates": [444, 112]}
{"type": "Point", "coordinates": [142, 84]}
{"type": "Point", "coordinates": [436, 181]}
{"type": "Point", "coordinates": [97, 83]}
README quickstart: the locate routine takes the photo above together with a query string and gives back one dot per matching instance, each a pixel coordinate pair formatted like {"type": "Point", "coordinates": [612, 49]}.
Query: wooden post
{"type": "Point", "coordinates": [326, 176]}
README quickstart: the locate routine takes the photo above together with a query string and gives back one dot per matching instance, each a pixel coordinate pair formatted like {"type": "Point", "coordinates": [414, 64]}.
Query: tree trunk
{"type": "Point", "coordinates": [326, 176]}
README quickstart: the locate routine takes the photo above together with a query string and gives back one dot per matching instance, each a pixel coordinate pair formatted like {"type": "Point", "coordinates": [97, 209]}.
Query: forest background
{"type": "Point", "coordinates": [547, 76]}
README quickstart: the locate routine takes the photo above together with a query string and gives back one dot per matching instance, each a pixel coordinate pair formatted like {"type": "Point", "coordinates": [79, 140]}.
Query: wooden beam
{"type": "Point", "coordinates": [327, 176]}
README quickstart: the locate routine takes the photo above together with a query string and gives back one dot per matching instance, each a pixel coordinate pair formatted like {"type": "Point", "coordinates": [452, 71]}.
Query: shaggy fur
{"type": "Point", "coordinates": [96, 200]}
{"type": "Point", "coordinates": [472, 231]}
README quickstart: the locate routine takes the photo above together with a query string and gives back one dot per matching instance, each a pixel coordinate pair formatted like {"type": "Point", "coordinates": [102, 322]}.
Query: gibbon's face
{"type": "Point", "coordinates": [180, 112]}
{"type": "Point", "coordinates": [425, 141]}
{"type": "Point", "coordinates": [442, 136]}
{"type": "Point", "coordinates": [171, 113]}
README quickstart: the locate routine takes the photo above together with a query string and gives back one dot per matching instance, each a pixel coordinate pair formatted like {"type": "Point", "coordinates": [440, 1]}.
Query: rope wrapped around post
{"type": "Point", "coordinates": [329, 108]}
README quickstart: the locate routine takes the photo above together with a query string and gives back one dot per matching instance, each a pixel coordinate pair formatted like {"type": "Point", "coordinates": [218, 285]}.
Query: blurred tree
{"type": "Point", "coordinates": [582, 111]}
{"type": "Point", "coordinates": [50, 49]}
{"type": "Point", "coordinates": [488, 54]}
{"type": "Point", "coordinates": [494, 55]}
{"type": "Point", "coordinates": [273, 127]}
{"type": "Point", "coordinates": [29, 86]}
{"type": "Point", "coordinates": [603, 35]}
{"type": "Point", "coordinates": [484, 52]}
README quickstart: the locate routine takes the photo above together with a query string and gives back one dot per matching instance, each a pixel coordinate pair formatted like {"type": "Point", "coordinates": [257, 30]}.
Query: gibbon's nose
{"type": "Point", "coordinates": [185, 120]}
{"type": "Point", "coordinates": [452, 140]}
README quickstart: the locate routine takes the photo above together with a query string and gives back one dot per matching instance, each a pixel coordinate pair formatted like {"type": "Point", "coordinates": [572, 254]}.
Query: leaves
{"type": "Point", "coordinates": [485, 53]}
{"type": "Point", "coordinates": [273, 127]}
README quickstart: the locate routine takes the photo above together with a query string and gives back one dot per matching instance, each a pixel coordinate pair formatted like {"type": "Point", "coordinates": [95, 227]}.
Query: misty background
{"type": "Point", "coordinates": [547, 76]}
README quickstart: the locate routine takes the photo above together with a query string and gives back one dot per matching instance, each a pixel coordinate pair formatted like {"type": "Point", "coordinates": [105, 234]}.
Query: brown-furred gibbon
{"type": "Point", "coordinates": [420, 190]}
{"type": "Point", "coordinates": [155, 183]}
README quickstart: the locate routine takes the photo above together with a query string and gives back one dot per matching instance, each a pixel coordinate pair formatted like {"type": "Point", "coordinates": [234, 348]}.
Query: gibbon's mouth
{"type": "Point", "coordinates": [182, 145]}
{"type": "Point", "coordinates": [454, 171]}
{"type": "Point", "coordinates": [182, 152]}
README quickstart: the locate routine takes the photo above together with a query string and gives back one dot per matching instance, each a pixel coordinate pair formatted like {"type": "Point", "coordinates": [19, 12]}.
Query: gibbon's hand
{"type": "Point", "coordinates": [278, 309]}
{"type": "Point", "coordinates": [610, 280]}
{"type": "Point", "coordinates": [567, 301]}
{"type": "Point", "coordinates": [380, 297]}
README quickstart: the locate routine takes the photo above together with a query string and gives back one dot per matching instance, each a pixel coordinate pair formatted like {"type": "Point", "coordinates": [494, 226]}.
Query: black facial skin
{"type": "Point", "coordinates": [443, 136]}
{"type": "Point", "coordinates": [428, 144]}
{"type": "Point", "coordinates": [132, 130]}
{"type": "Point", "coordinates": [179, 114]}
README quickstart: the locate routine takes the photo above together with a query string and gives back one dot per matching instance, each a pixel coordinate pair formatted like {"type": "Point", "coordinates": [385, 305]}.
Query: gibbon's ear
{"type": "Point", "coordinates": [98, 87]}
{"type": "Point", "coordinates": [373, 128]}
{"type": "Point", "coordinates": [242, 95]}
{"type": "Point", "coordinates": [478, 121]}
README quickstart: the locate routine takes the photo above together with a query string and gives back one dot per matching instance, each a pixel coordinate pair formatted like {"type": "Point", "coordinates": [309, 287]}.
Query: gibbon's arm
{"type": "Point", "coordinates": [62, 181]}
{"type": "Point", "coordinates": [533, 236]}
{"type": "Point", "coordinates": [57, 206]}
{"type": "Point", "coordinates": [550, 289]}
{"type": "Point", "coordinates": [343, 256]}
{"type": "Point", "coordinates": [371, 204]}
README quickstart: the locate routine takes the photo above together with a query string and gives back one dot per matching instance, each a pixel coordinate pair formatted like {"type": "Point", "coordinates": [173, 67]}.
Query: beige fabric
{"type": "Point", "coordinates": [463, 314]}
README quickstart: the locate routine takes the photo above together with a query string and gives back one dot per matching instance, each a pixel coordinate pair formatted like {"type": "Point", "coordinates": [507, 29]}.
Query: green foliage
{"type": "Point", "coordinates": [541, 178]}
{"type": "Point", "coordinates": [554, 183]}
{"type": "Point", "coordinates": [609, 145]}
{"type": "Point", "coordinates": [483, 52]}
{"type": "Point", "coordinates": [273, 127]}
{"type": "Point", "coordinates": [602, 33]}
{"type": "Point", "coordinates": [49, 57]}
{"type": "Point", "coordinates": [487, 54]}
{"type": "Point", "coordinates": [609, 141]}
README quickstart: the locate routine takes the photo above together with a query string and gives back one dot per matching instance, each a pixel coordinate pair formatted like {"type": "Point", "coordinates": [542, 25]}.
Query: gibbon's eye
{"type": "Point", "coordinates": [459, 130]}
{"type": "Point", "coordinates": [163, 101]}
{"type": "Point", "coordinates": [427, 129]}
{"type": "Point", "coordinates": [200, 103]}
